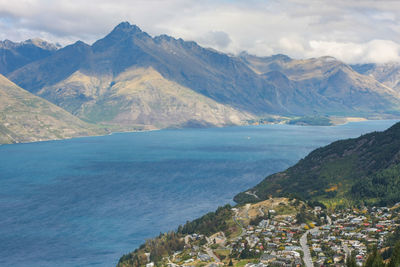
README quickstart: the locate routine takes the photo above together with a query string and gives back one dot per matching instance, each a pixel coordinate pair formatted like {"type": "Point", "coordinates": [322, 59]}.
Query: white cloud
{"type": "Point", "coordinates": [218, 39]}
{"type": "Point", "coordinates": [381, 51]}
{"type": "Point", "coordinates": [353, 31]}
{"type": "Point", "coordinates": [377, 51]}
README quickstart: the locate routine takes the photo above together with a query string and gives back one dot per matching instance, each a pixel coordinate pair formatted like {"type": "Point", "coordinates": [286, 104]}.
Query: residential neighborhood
{"type": "Point", "coordinates": [272, 233]}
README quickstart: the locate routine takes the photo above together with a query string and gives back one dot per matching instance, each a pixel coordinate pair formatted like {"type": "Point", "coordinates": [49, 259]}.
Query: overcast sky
{"type": "Point", "coordinates": [355, 31]}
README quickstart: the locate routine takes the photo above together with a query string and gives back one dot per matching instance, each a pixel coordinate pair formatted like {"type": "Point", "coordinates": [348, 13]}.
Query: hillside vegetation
{"type": "Point", "coordinates": [364, 169]}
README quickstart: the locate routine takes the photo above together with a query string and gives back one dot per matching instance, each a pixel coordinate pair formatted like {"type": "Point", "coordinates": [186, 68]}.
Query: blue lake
{"type": "Point", "coordinates": [87, 201]}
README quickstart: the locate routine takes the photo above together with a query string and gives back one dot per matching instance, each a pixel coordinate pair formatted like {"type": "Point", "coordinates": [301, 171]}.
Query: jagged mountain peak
{"type": "Point", "coordinates": [167, 38]}
{"type": "Point", "coordinates": [179, 42]}
{"type": "Point", "coordinates": [7, 44]}
{"type": "Point", "coordinates": [276, 57]}
{"type": "Point", "coordinates": [327, 59]}
{"type": "Point", "coordinates": [37, 42]}
{"type": "Point", "coordinates": [281, 57]}
{"type": "Point", "coordinates": [125, 26]}
{"type": "Point", "coordinates": [41, 44]}
{"type": "Point", "coordinates": [80, 44]}
{"type": "Point", "coordinates": [120, 33]}
{"type": "Point", "coordinates": [17, 54]}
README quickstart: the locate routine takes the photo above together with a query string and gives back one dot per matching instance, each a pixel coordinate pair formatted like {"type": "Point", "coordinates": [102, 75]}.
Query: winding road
{"type": "Point", "coordinates": [303, 243]}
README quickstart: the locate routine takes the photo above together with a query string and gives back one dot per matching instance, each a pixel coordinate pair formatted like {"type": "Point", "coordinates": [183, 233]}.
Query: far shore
{"type": "Point", "coordinates": [345, 120]}
{"type": "Point", "coordinates": [336, 121]}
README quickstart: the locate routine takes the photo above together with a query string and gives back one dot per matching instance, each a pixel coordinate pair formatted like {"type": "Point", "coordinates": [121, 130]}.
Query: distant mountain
{"type": "Point", "coordinates": [139, 97]}
{"type": "Point", "coordinates": [259, 86]}
{"type": "Point", "coordinates": [364, 169]}
{"type": "Point", "coordinates": [15, 55]}
{"type": "Point", "coordinates": [215, 75]}
{"type": "Point", "coordinates": [388, 73]}
{"type": "Point", "coordinates": [26, 118]}
{"type": "Point", "coordinates": [129, 78]}
{"type": "Point", "coordinates": [328, 85]}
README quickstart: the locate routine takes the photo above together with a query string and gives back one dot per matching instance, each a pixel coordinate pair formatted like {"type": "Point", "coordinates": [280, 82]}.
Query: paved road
{"type": "Point", "coordinates": [347, 250]}
{"type": "Point", "coordinates": [235, 219]}
{"type": "Point", "coordinates": [261, 211]}
{"type": "Point", "coordinates": [306, 250]}
{"type": "Point", "coordinates": [329, 220]}
{"type": "Point", "coordinates": [211, 254]}
{"type": "Point", "coordinates": [252, 194]}
{"type": "Point", "coordinates": [303, 243]}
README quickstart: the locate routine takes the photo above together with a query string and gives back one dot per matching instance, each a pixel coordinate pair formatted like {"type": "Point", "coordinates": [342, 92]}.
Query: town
{"type": "Point", "coordinates": [284, 232]}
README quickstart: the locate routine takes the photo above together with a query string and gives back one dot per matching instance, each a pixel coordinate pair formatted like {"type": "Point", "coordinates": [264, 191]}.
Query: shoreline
{"type": "Point", "coordinates": [336, 121]}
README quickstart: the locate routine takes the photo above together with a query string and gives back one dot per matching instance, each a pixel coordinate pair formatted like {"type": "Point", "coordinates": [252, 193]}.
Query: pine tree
{"type": "Point", "coordinates": [374, 259]}
{"type": "Point", "coordinates": [395, 257]}
{"type": "Point", "coordinates": [351, 260]}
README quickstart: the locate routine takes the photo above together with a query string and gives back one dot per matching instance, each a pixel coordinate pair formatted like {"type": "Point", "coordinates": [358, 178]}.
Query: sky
{"type": "Point", "coordinates": [354, 31]}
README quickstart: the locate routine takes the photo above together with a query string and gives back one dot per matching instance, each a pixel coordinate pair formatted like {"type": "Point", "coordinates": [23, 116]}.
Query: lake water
{"type": "Point", "coordinates": [87, 201]}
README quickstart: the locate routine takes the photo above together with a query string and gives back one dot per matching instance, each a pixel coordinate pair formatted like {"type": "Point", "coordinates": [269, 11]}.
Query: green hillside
{"type": "Point", "coordinates": [364, 169]}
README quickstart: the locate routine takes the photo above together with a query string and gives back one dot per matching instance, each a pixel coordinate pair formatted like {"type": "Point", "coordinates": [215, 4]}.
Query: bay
{"type": "Point", "coordinates": [87, 201]}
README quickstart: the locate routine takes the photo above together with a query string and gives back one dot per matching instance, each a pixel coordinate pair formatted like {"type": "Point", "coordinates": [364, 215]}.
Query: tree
{"type": "Point", "coordinates": [395, 257]}
{"type": "Point", "coordinates": [351, 260]}
{"type": "Point", "coordinates": [374, 259]}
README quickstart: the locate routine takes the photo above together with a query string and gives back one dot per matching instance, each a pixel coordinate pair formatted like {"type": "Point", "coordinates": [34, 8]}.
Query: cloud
{"type": "Point", "coordinates": [218, 39]}
{"type": "Point", "coordinates": [377, 51]}
{"type": "Point", "coordinates": [353, 31]}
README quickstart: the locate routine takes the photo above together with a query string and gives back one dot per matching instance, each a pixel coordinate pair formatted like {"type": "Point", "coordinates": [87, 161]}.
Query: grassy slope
{"type": "Point", "coordinates": [141, 97]}
{"type": "Point", "coordinates": [27, 118]}
{"type": "Point", "coordinates": [361, 169]}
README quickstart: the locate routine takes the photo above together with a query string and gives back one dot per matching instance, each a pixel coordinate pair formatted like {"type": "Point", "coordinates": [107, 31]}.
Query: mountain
{"type": "Point", "coordinates": [139, 97]}
{"type": "Point", "coordinates": [364, 169]}
{"type": "Point", "coordinates": [388, 73]}
{"type": "Point", "coordinates": [27, 118]}
{"type": "Point", "coordinates": [86, 81]}
{"type": "Point", "coordinates": [158, 101]}
{"type": "Point", "coordinates": [218, 76]}
{"type": "Point", "coordinates": [328, 85]}
{"type": "Point", "coordinates": [15, 55]}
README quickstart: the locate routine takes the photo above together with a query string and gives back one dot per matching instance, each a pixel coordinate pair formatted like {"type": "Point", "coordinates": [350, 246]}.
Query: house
{"type": "Point", "coordinates": [267, 258]}
{"type": "Point", "coordinates": [203, 257]}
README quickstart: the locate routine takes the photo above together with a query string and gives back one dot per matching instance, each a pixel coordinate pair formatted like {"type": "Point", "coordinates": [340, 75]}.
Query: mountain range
{"type": "Point", "coordinates": [387, 73]}
{"type": "Point", "coordinates": [129, 80]}
{"type": "Point", "coordinates": [15, 55]}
